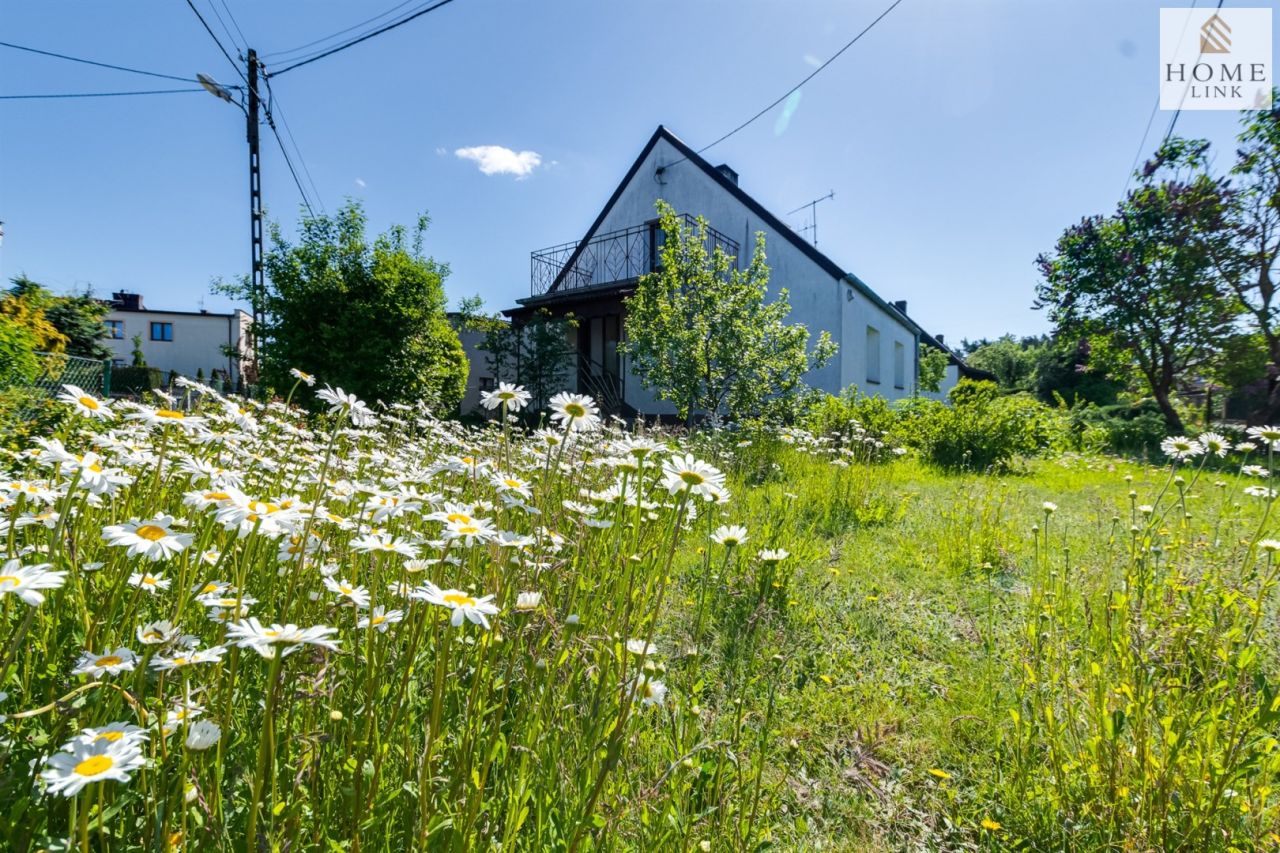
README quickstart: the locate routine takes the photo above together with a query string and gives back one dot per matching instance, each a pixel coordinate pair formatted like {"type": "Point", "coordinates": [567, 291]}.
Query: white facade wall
{"type": "Point", "coordinates": [480, 377]}
{"type": "Point", "coordinates": [949, 380]}
{"type": "Point", "coordinates": [197, 345]}
{"type": "Point", "coordinates": [819, 300]}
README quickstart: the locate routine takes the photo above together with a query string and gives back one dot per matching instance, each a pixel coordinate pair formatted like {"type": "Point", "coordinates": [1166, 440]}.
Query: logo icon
{"type": "Point", "coordinates": [1215, 36]}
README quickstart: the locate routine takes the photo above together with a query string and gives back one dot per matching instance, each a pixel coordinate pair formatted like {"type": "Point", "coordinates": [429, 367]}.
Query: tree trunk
{"type": "Point", "coordinates": [1171, 418]}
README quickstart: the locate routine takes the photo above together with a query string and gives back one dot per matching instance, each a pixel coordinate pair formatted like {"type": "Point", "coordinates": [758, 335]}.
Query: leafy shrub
{"type": "Point", "coordinates": [1123, 428]}
{"type": "Point", "coordinates": [981, 430]}
{"type": "Point", "coordinates": [17, 353]}
{"type": "Point", "coordinates": [136, 380]}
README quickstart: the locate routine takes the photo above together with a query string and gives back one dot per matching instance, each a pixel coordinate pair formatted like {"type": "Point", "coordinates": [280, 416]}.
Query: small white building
{"type": "Point", "coordinates": [590, 278]}
{"type": "Point", "coordinates": [185, 342]}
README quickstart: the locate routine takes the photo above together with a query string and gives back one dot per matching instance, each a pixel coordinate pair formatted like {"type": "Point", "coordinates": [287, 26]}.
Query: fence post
{"type": "Point", "coordinates": [106, 378]}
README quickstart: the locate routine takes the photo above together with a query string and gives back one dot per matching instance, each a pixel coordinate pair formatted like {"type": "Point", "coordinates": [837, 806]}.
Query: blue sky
{"type": "Point", "coordinates": [960, 136]}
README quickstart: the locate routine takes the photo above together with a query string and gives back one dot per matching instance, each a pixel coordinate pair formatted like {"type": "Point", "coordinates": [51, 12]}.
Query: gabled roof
{"type": "Point", "coordinates": [967, 371]}
{"type": "Point", "coordinates": [692, 157]}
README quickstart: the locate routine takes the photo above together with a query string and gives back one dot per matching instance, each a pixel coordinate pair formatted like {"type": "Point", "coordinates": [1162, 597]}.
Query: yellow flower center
{"type": "Point", "coordinates": [460, 600]}
{"type": "Point", "coordinates": [271, 633]}
{"type": "Point", "coordinates": [575, 410]}
{"type": "Point", "coordinates": [458, 517]}
{"type": "Point", "coordinates": [149, 580]}
{"type": "Point", "coordinates": [468, 530]}
{"type": "Point", "coordinates": [90, 403]}
{"type": "Point", "coordinates": [95, 765]}
{"type": "Point", "coordinates": [470, 460]}
{"type": "Point", "coordinates": [108, 736]}
{"type": "Point", "coordinates": [217, 496]}
{"type": "Point", "coordinates": [378, 620]}
{"type": "Point", "coordinates": [344, 589]}
{"type": "Point", "coordinates": [152, 532]}
{"type": "Point", "coordinates": [10, 581]}
{"type": "Point", "coordinates": [95, 468]}
{"type": "Point", "coordinates": [515, 484]}
{"type": "Point", "coordinates": [693, 478]}
{"type": "Point", "coordinates": [170, 414]}
{"type": "Point", "coordinates": [109, 660]}
{"type": "Point", "coordinates": [180, 661]}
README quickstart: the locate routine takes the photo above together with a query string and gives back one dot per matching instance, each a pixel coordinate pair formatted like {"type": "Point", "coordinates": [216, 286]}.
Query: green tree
{"type": "Point", "coordinates": [368, 316]}
{"type": "Point", "coordinates": [26, 304]}
{"type": "Point", "coordinates": [18, 361]}
{"type": "Point", "coordinates": [702, 335]}
{"type": "Point", "coordinates": [933, 368]}
{"type": "Point", "coordinates": [139, 357]}
{"type": "Point", "coordinates": [1011, 361]}
{"type": "Point", "coordinates": [1145, 278]}
{"type": "Point", "coordinates": [70, 324]}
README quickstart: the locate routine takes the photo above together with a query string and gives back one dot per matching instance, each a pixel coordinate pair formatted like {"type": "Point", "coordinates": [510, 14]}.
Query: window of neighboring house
{"type": "Point", "coordinates": [487, 383]}
{"type": "Point", "coordinates": [162, 331]}
{"type": "Point", "coordinates": [873, 355]}
{"type": "Point", "coordinates": [899, 365]}
{"type": "Point", "coordinates": [115, 330]}
{"type": "Point", "coordinates": [117, 362]}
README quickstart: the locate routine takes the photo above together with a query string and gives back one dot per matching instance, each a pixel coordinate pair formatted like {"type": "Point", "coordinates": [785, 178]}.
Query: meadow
{"type": "Point", "coordinates": [229, 625]}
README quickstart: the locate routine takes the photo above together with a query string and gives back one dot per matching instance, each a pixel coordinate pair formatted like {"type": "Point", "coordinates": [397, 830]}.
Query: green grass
{"type": "Point", "coordinates": [940, 662]}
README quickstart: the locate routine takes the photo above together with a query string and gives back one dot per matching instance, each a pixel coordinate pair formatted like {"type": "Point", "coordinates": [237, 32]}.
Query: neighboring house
{"type": "Point", "coordinates": [590, 278]}
{"type": "Point", "coordinates": [956, 369]}
{"type": "Point", "coordinates": [480, 376]}
{"type": "Point", "coordinates": [180, 341]}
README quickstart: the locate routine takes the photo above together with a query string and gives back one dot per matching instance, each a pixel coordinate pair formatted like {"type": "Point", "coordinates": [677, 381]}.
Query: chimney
{"type": "Point", "coordinates": [941, 339]}
{"type": "Point", "coordinates": [901, 305]}
{"type": "Point", "coordinates": [123, 300]}
{"type": "Point", "coordinates": [724, 169]}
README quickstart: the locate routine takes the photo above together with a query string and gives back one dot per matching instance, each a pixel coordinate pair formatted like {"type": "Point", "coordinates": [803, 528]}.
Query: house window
{"type": "Point", "coordinates": [115, 330]}
{"type": "Point", "coordinates": [873, 355]}
{"type": "Point", "coordinates": [162, 331]}
{"type": "Point", "coordinates": [486, 383]}
{"type": "Point", "coordinates": [899, 365]}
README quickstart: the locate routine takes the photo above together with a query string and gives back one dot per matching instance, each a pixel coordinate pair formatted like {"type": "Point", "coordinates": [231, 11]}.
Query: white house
{"type": "Point", "coordinates": [591, 277]}
{"type": "Point", "coordinates": [183, 341]}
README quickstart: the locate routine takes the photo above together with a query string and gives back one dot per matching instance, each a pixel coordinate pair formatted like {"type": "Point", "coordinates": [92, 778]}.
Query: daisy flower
{"type": "Point", "coordinates": [110, 663]}
{"type": "Point", "coordinates": [156, 633]}
{"type": "Point", "coordinates": [264, 639]}
{"type": "Point", "coordinates": [650, 691]}
{"type": "Point", "coordinates": [213, 654]}
{"type": "Point", "coordinates": [1268, 435]}
{"type": "Point", "coordinates": [151, 583]}
{"type": "Point", "coordinates": [339, 401]}
{"type": "Point", "coordinates": [463, 605]}
{"type": "Point", "coordinates": [640, 648]}
{"type": "Point", "coordinates": [527, 601]}
{"type": "Point", "coordinates": [167, 417]}
{"type": "Point", "coordinates": [1214, 443]}
{"type": "Point", "coordinates": [27, 581]}
{"type": "Point", "coordinates": [514, 397]}
{"type": "Point", "coordinates": [68, 772]}
{"type": "Point", "coordinates": [729, 535]}
{"type": "Point", "coordinates": [152, 538]}
{"type": "Point", "coordinates": [112, 733]}
{"type": "Point", "coordinates": [357, 595]}
{"type": "Point", "coordinates": [774, 556]}
{"type": "Point", "coordinates": [381, 619]}
{"type": "Point", "coordinates": [384, 542]}
{"type": "Point", "coordinates": [1180, 447]}
{"type": "Point", "coordinates": [685, 473]}
{"type": "Point", "coordinates": [202, 735]}
{"type": "Point", "coordinates": [86, 403]}
{"type": "Point", "coordinates": [576, 412]}
{"type": "Point", "coordinates": [305, 377]}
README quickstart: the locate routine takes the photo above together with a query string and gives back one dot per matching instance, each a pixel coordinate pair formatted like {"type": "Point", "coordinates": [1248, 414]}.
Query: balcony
{"type": "Point", "coordinates": [613, 258]}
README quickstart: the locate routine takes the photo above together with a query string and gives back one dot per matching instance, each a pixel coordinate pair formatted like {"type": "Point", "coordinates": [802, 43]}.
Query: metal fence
{"type": "Point", "coordinates": [57, 369]}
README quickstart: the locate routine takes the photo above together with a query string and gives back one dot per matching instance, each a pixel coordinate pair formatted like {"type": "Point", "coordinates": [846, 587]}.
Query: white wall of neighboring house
{"type": "Point", "coordinates": [819, 300]}
{"type": "Point", "coordinates": [480, 376]}
{"type": "Point", "coordinates": [198, 340]}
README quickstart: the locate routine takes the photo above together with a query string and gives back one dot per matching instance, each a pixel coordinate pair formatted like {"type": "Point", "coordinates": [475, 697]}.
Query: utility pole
{"type": "Point", "coordinates": [257, 279]}
{"type": "Point", "coordinates": [813, 214]}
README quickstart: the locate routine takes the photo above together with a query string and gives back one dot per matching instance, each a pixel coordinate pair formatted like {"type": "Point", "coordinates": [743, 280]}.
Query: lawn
{"type": "Point", "coordinates": [354, 631]}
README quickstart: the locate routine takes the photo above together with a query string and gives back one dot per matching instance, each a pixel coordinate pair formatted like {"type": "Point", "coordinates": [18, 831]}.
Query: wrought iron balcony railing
{"type": "Point", "coordinates": [618, 256]}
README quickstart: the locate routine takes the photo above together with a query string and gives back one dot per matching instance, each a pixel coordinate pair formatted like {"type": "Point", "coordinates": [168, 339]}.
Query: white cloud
{"type": "Point", "coordinates": [360, 183]}
{"type": "Point", "coordinates": [496, 160]}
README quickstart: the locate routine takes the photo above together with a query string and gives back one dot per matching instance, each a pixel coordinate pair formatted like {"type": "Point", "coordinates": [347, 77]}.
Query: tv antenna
{"type": "Point", "coordinates": [813, 215]}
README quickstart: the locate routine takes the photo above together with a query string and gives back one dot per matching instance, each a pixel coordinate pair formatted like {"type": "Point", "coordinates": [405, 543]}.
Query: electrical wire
{"type": "Point", "coordinates": [797, 86]}
{"type": "Point", "coordinates": [95, 62]}
{"type": "Point", "coordinates": [235, 44]}
{"type": "Point", "coordinates": [367, 36]}
{"type": "Point", "coordinates": [98, 94]}
{"type": "Point", "coordinates": [289, 162]}
{"type": "Point", "coordinates": [274, 106]}
{"type": "Point", "coordinates": [302, 47]}
{"type": "Point", "coordinates": [216, 41]}
{"type": "Point", "coordinates": [234, 23]}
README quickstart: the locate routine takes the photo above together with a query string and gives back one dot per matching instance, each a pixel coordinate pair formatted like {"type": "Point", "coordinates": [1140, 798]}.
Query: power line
{"type": "Point", "coordinates": [98, 94]}
{"type": "Point", "coordinates": [274, 106]}
{"type": "Point", "coordinates": [225, 28]}
{"type": "Point", "coordinates": [216, 41]}
{"type": "Point", "coordinates": [797, 86]}
{"type": "Point", "coordinates": [302, 47]}
{"type": "Point", "coordinates": [95, 62]}
{"type": "Point", "coordinates": [368, 36]}
{"type": "Point", "coordinates": [288, 162]}
{"type": "Point", "coordinates": [234, 23]}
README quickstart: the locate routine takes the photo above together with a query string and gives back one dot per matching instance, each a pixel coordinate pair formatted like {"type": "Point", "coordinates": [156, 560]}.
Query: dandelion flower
{"type": "Point", "coordinates": [989, 824]}
{"type": "Point", "coordinates": [69, 771]}
{"type": "Point", "coordinates": [27, 581]}
{"type": "Point", "coordinates": [939, 774]}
